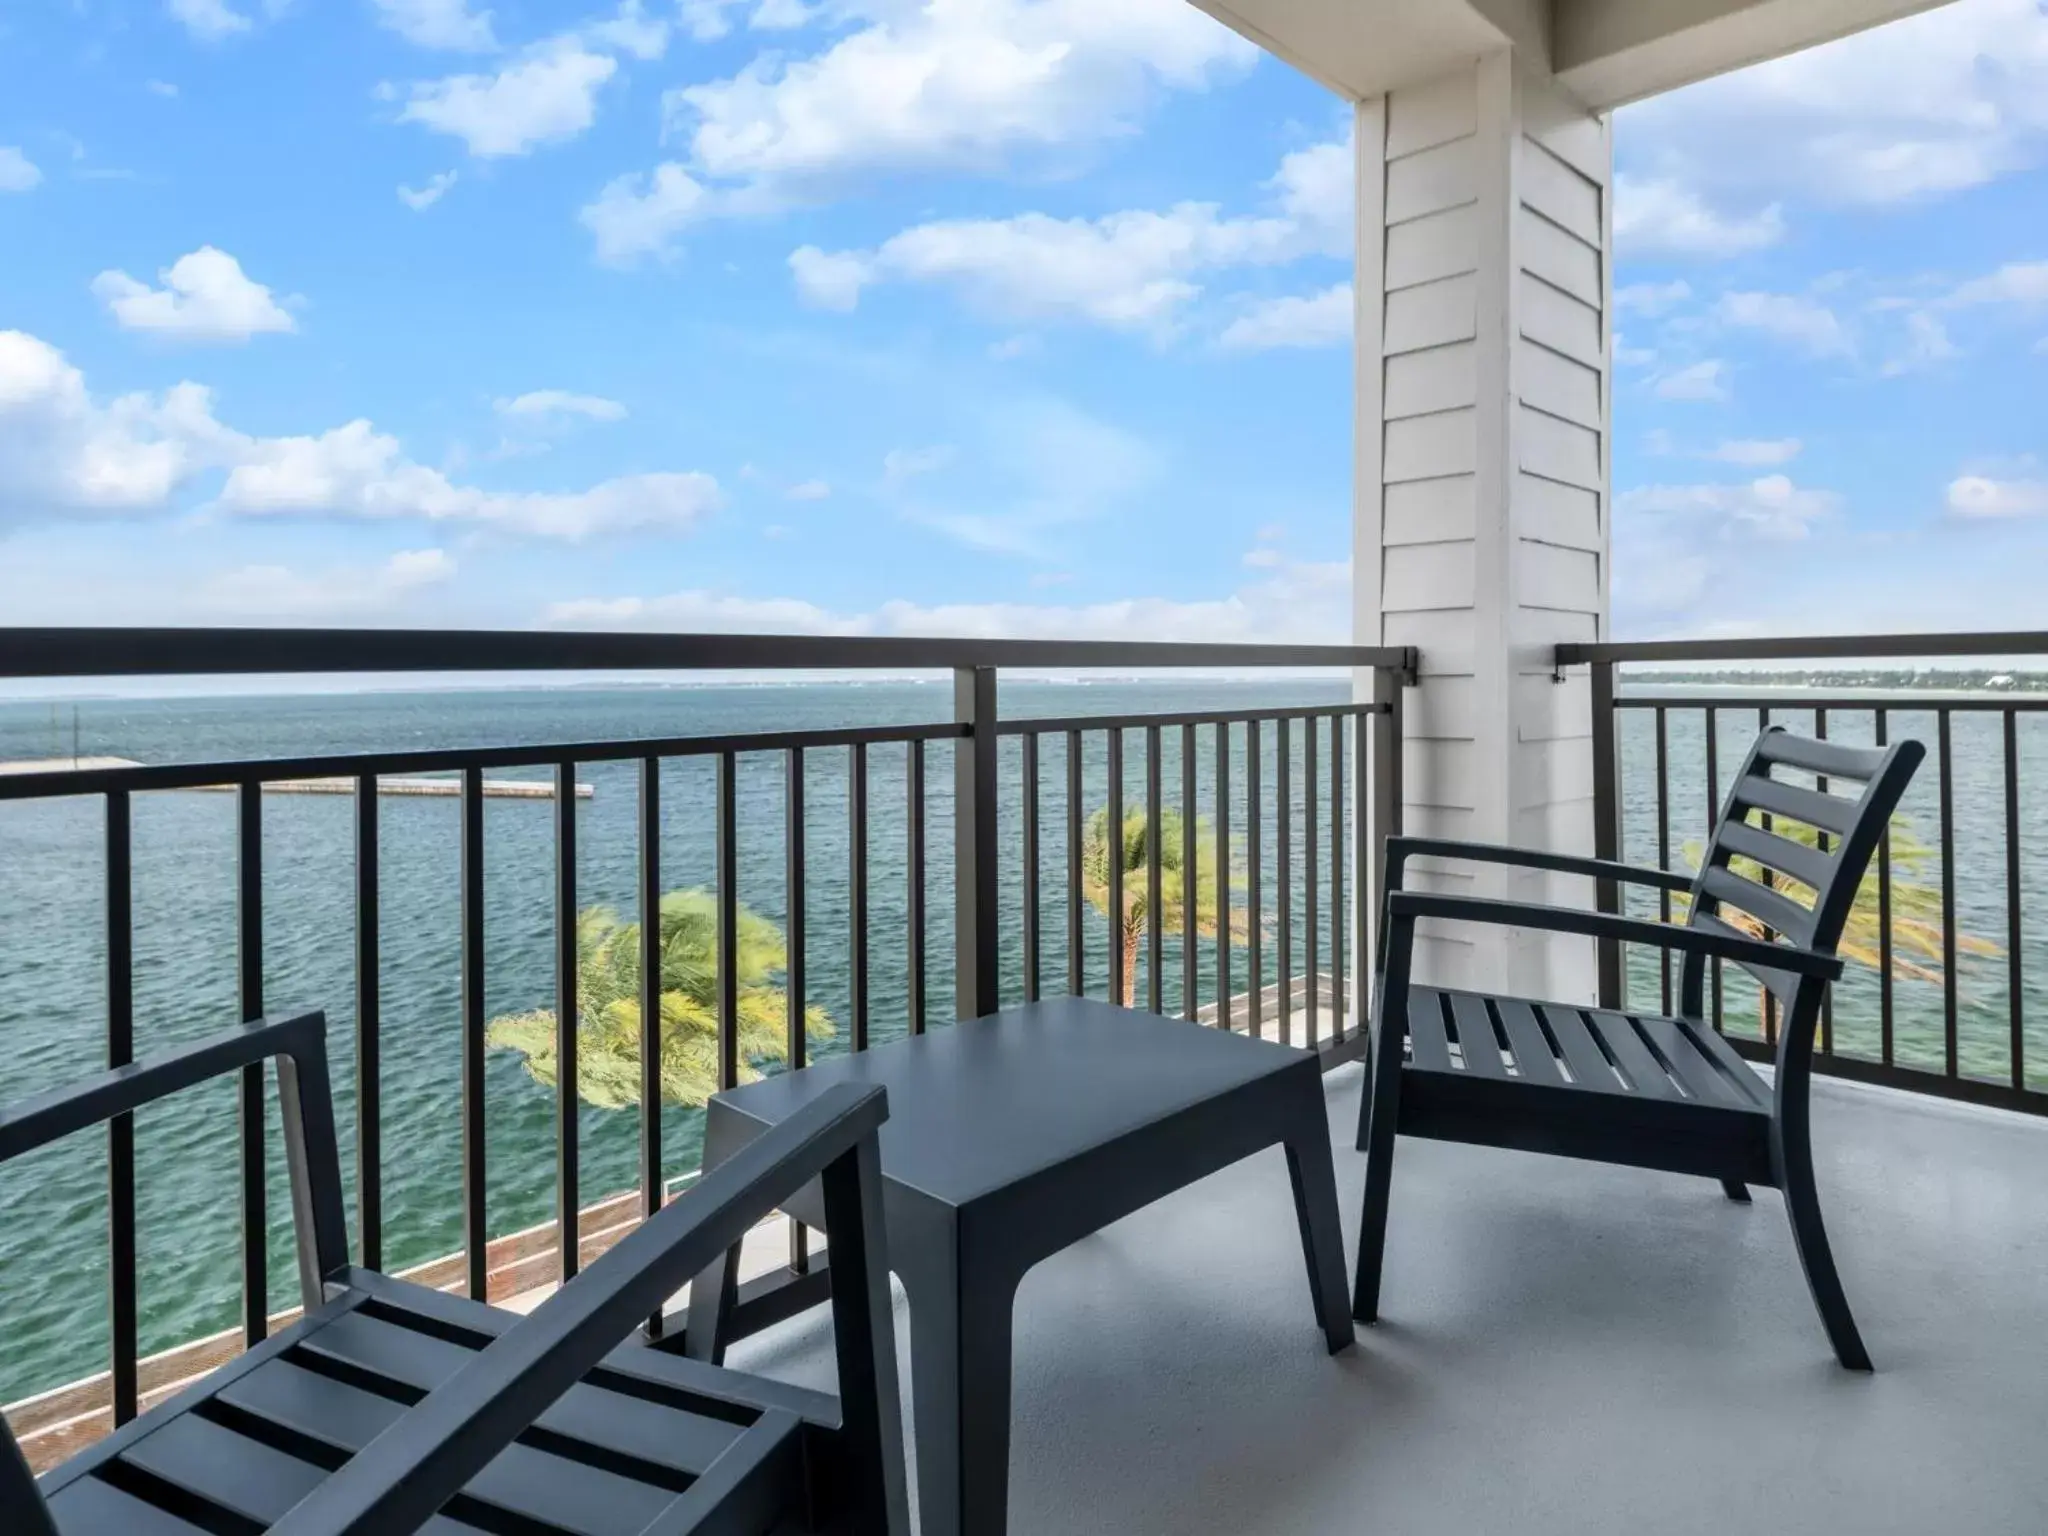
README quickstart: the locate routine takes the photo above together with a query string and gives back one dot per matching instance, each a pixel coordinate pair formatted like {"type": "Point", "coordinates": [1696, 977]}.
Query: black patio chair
{"type": "Point", "coordinates": [1636, 1088]}
{"type": "Point", "coordinates": [390, 1408]}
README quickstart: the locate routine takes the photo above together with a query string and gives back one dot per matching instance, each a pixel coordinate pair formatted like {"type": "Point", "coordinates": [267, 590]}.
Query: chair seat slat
{"type": "Point", "coordinates": [1699, 1077]}
{"type": "Point", "coordinates": [224, 1469]}
{"type": "Point", "coordinates": [1590, 1068]}
{"type": "Point", "coordinates": [1645, 1073]}
{"type": "Point", "coordinates": [1477, 1042]}
{"type": "Point", "coordinates": [90, 1507]}
{"type": "Point", "coordinates": [1427, 1041]}
{"type": "Point", "coordinates": [1739, 1074]}
{"type": "Point", "coordinates": [1533, 1058]}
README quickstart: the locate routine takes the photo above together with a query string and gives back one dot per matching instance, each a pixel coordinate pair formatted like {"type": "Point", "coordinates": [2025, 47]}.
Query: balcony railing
{"type": "Point", "coordinates": [1939, 1004]}
{"type": "Point", "coordinates": [1318, 787]}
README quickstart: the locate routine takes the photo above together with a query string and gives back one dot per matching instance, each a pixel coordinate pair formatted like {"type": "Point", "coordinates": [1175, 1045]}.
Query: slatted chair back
{"type": "Point", "coordinates": [1809, 887]}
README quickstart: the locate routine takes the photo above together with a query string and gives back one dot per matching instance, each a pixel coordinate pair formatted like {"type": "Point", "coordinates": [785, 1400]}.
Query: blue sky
{"type": "Point", "coordinates": [1019, 316]}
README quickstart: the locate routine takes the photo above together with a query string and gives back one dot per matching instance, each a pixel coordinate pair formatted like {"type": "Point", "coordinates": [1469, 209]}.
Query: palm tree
{"type": "Point", "coordinates": [608, 1005]}
{"type": "Point", "coordinates": [1915, 910]}
{"type": "Point", "coordinates": [1133, 853]}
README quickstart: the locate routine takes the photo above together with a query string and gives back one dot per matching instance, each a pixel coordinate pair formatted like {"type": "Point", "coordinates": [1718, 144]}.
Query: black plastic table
{"type": "Point", "coordinates": [1009, 1138]}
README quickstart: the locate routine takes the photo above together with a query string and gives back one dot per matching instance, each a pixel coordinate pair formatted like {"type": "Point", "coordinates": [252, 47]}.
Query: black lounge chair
{"type": "Point", "coordinates": [1631, 1088]}
{"type": "Point", "coordinates": [389, 1407]}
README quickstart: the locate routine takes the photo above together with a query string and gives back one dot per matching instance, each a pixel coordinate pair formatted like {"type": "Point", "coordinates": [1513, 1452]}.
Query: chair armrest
{"type": "Point", "coordinates": [400, 1479]}
{"type": "Point", "coordinates": [1405, 906]}
{"type": "Point", "coordinates": [1399, 849]}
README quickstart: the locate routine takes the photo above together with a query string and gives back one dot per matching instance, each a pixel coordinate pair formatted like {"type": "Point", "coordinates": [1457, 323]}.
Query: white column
{"type": "Point", "coordinates": [1481, 521]}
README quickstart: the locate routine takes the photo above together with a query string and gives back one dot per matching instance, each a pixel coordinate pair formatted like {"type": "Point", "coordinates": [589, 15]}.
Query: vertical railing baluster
{"type": "Point", "coordinates": [651, 1190]}
{"type": "Point", "coordinates": [1366, 857]}
{"type": "Point", "coordinates": [1713, 725]}
{"type": "Point", "coordinates": [1312, 877]}
{"type": "Point", "coordinates": [1254, 903]}
{"type": "Point", "coordinates": [120, 917]}
{"type": "Point", "coordinates": [796, 967]}
{"type": "Point", "coordinates": [857, 891]}
{"type": "Point", "coordinates": [1827, 998]}
{"type": "Point", "coordinates": [1664, 847]}
{"type": "Point", "coordinates": [1283, 872]}
{"type": "Point", "coordinates": [913, 861]}
{"type": "Point", "coordinates": [1388, 795]}
{"type": "Point", "coordinates": [977, 858]}
{"type": "Point", "coordinates": [1765, 995]}
{"type": "Point", "coordinates": [369, 1033]}
{"type": "Point", "coordinates": [1028, 756]}
{"type": "Point", "coordinates": [249, 943]}
{"type": "Point", "coordinates": [568, 1079]}
{"type": "Point", "coordinates": [1077, 976]}
{"type": "Point", "coordinates": [1880, 730]}
{"type": "Point", "coordinates": [2013, 990]}
{"type": "Point", "coordinates": [1338, 853]}
{"type": "Point", "coordinates": [475, 1235]}
{"type": "Point", "coordinates": [1190, 883]}
{"type": "Point", "coordinates": [1948, 897]}
{"type": "Point", "coordinates": [1155, 919]}
{"type": "Point", "coordinates": [728, 857]}
{"type": "Point", "coordinates": [1610, 963]}
{"type": "Point", "coordinates": [1223, 1020]}
{"type": "Point", "coordinates": [1113, 827]}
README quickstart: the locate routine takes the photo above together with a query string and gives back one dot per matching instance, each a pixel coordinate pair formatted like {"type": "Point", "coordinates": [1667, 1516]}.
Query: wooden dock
{"type": "Point", "coordinates": [494, 789]}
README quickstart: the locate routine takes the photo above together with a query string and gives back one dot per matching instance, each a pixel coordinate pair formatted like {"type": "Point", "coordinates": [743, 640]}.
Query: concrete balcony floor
{"type": "Point", "coordinates": [1566, 1348]}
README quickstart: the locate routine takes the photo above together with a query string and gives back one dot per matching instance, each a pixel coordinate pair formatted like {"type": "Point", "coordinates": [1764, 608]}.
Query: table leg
{"type": "Point", "coordinates": [1311, 1171]}
{"type": "Point", "coordinates": [960, 1398]}
{"type": "Point", "coordinates": [713, 1292]}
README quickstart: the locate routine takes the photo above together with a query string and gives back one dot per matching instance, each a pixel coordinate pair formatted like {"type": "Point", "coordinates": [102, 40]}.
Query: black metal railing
{"type": "Point", "coordinates": [1349, 768]}
{"type": "Point", "coordinates": [1957, 1024]}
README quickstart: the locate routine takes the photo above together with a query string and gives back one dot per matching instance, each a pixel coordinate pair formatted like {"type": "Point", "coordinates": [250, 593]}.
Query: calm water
{"type": "Point", "coordinates": [52, 951]}
{"type": "Point", "coordinates": [52, 997]}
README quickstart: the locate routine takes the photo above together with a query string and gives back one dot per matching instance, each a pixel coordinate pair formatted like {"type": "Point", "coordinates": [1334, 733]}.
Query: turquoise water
{"type": "Point", "coordinates": [52, 951]}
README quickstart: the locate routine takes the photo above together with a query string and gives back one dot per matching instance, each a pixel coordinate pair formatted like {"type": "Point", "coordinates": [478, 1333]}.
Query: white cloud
{"type": "Point", "coordinates": [1298, 602]}
{"type": "Point", "coordinates": [17, 172]}
{"type": "Point", "coordinates": [904, 464]}
{"type": "Point", "coordinates": [1806, 324]}
{"type": "Point", "coordinates": [548, 94]}
{"type": "Point", "coordinates": [62, 451]}
{"type": "Point", "coordinates": [1626, 356]}
{"type": "Point", "coordinates": [1133, 270]}
{"type": "Point", "coordinates": [808, 490]}
{"type": "Point", "coordinates": [630, 31]}
{"type": "Point", "coordinates": [280, 593]}
{"type": "Point", "coordinates": [163, 88]}
{"type": "Point", "coordinates": [1932, 104]}
{"type": "Point", "coordinates": [1771, 507]}
{"type": "Point", "coordinates": [1661, 217]}
{"type": "Point", "coordinates": [1980, 498]}
{"type": "Point", "coordinates": [207, 20]}
{"type": "Point", "coordinates": [948, 85]}
{"type": "Point", "coordinates": [1926, 343]}
{"type": "Point", "coordinates": [1652, 299]}
{"type": "Point", "coordinates": [420, 199]}
{"type": "Point", "coordinates": [637, 216]}
{"type": "Point", "coordinates": [542, 403]}
{"type": "Point", "coordinates": [438, 24]}
{"type": "Point", "coordinates": [205, 297]}
{"type": "Point", "coordinates": [2020, 282]}
{"type": "Point", "coordinates": [1757, 452]}
{"type": "Point", "coordinates": [1705, 380]}
{"type": "Point", "coordinates": [1315, 320]}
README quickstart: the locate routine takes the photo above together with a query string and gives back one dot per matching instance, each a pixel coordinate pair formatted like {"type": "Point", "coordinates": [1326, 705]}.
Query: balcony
{"type": "Point", "coordinates": [1564, 1345]}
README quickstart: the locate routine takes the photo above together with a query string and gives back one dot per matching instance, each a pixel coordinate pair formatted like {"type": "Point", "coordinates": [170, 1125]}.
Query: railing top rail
{"type": "Point", "coordinates": [1811, 648]}
{"type": "Point", "coordinates": [124, 652]}
{"type": "Point", "coordinates": [1797, 697]}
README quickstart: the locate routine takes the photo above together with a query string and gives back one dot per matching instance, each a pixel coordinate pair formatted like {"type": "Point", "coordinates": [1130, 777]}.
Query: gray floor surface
{"type": "Point", "coordinates": [1566, 1348]}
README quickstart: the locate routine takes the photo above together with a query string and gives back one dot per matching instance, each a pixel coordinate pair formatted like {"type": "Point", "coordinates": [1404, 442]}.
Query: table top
{"type": "Point", "coordinates": [979, 1105]}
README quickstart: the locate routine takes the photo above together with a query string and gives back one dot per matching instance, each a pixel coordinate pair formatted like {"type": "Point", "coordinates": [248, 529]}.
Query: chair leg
{"type": "Point", "coordinates": [1809, 1236]}
{"type": "Point", "coordinates": [1376, 1136]}
{"type": "Point", "coordinates": [1735, 1190]}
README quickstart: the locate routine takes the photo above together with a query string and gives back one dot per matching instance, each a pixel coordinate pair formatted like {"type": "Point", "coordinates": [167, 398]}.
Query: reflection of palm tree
{"type": "Point", "coordinates": [1915, 908]}
{"type": "Point", "coordinates": [608, 1005]}
{"type": "Point", "coordinates": [1133, 853]}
